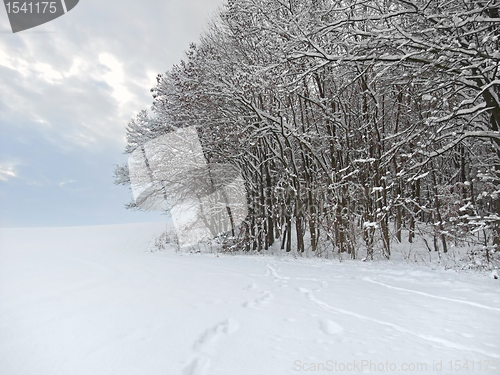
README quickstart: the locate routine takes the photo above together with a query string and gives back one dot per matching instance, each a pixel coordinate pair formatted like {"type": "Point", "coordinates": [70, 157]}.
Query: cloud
{"type": "Point", "coordinates": [115, 77]}
{"type": "Point", "coordinates": [63, 183]}
{"type": "Point", "coordinates": [91, 73]}
{"type": "Point", "coordinates": [7, 172]}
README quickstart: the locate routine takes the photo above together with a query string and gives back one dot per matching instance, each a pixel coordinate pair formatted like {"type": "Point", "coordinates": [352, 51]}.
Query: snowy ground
{"type": "Point", "coordinates": [92, 300]}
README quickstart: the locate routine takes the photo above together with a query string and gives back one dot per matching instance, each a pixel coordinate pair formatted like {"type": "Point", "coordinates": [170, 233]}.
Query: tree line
{"type": "Point", "coordinates": [353, 122]}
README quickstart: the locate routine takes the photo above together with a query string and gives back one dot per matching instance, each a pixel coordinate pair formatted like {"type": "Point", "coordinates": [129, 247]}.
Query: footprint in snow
{"type": "Point", "coordinates": [277, 277]}
{"type": "Point", "coordinates": [265, 298]}
{"type": "Point", "coordinates": [260, 301]}
{"type": "Point", "coordinates": [330, 327]}
{"type": "Point", "coordinates": [206, 346]}
{"type": "Point", "coordinates": [251, 286]}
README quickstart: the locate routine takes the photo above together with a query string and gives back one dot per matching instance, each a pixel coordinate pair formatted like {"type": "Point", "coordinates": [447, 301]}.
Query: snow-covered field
{"type": "Point", "coordinates": [93, 300]}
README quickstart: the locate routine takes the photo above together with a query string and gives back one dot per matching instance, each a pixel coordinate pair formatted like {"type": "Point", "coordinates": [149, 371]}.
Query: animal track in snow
{"type": "Point", "coordinates": [431, 295]}
{"type": "Point", "coordinates": [442, 342]}
{"type": "Point", "coordinates": [206, 346]}
{"type": "Point", "coordinates": [323, 283]}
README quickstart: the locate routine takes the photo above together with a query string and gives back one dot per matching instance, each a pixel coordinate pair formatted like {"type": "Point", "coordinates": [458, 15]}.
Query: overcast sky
{"type": "Point", "coordinates": [67, 91]}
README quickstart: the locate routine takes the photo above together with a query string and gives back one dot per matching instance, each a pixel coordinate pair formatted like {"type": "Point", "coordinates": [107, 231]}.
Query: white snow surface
{"type": "Point", "coordinates": [95, 300]}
